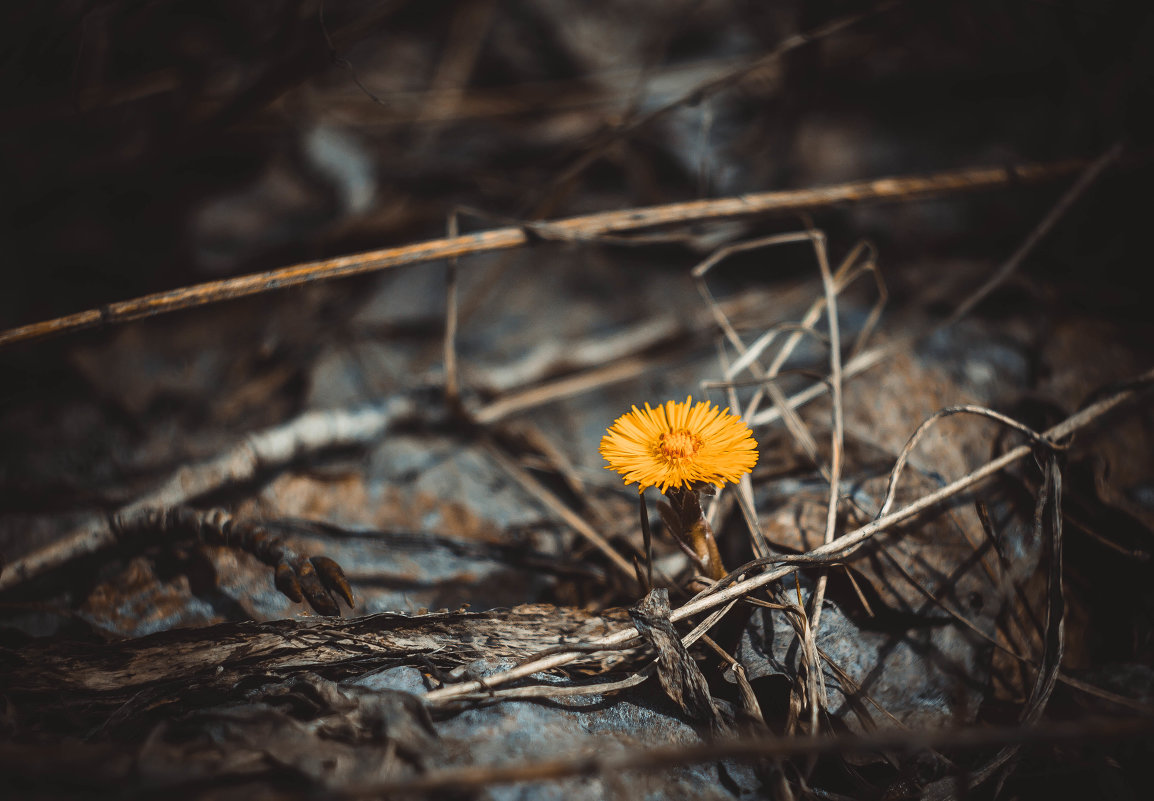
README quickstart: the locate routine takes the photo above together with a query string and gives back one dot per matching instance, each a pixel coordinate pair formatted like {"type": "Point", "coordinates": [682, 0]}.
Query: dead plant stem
{"type": "Point", "coordinates": [824, 554]}
{"type": "Point", "coordinates": [907, 188]}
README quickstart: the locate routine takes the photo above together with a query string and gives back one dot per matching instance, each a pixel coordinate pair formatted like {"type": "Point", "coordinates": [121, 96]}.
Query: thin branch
{"type": "Point", "coordinates": [452, 381]}
{"type": "Point", "coordinates": [866, 359]}
{"type": "Point", "coordinates": [838, 434]}
{"type": "Point", "coordinates": [851, 369]}
{"type": "Point", "coordinates": [1088, 177]}
{"type": "Point", "coordinates": [816, 684]}
{"type": "Point", "coordinates": [711, 87]}
{"type": "Point", "coordinates": [261, 451]}
{"type": "Point", "coordinates": [950, 411]}
{"type": "Point", "coordinates": [908, 188]}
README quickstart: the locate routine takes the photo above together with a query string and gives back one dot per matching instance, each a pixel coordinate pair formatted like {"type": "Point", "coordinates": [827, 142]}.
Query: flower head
{"type": "Point", "coordinates": [678, 444]}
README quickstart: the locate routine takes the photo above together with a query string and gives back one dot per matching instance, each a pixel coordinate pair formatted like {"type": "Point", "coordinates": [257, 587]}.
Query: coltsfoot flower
{"type": "Point", "coordinates": [679, 444]}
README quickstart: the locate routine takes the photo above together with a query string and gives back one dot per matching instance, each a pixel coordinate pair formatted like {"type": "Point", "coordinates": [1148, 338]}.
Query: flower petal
{"type": "Point", "coordinates": [679, 444]}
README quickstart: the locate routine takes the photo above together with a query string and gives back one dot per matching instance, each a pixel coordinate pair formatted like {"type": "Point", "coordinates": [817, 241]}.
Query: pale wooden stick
{"type": "Point", "coordinates": [263, 450]}
{"type": "Point", "coordinates": [907, 188]}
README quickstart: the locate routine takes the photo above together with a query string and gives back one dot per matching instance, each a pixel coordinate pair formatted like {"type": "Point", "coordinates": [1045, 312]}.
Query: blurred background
{"type": "Point", "coordinates": [147, 145]}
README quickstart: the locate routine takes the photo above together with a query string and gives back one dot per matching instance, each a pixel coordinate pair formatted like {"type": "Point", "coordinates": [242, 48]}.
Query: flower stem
{"type": "Point", "coordinates": [696, 529]}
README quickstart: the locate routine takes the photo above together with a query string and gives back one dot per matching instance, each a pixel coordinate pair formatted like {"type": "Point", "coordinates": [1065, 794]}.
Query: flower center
{"type": "Point", "coordinates": [680, 444]}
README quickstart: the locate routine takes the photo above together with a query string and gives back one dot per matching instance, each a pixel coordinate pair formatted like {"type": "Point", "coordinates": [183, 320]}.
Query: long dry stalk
{"type": "Point", "coordinates": [587, 227]}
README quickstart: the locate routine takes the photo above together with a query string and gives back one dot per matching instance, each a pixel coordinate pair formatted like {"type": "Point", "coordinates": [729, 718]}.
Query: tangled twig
{"type": "Point", "coordinates": [822, 555]}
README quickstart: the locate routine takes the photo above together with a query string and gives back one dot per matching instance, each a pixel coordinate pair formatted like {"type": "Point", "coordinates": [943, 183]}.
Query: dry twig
{"type": "Point", "coordinates": [908, 188]}
{"type": "Point", "coordinates": [258, 452]}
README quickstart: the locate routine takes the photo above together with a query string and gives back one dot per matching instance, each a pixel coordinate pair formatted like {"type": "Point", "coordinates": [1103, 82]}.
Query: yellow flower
{"type": "Point", "coordinates": [678, 444]}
